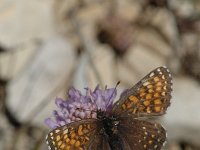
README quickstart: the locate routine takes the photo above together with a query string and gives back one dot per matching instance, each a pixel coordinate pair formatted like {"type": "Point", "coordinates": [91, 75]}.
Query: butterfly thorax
{"type": "Point", "coordinates": [110, 125]}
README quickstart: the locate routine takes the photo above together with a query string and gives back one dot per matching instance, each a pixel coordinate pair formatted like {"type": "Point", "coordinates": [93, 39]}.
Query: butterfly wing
{"type": "Point", "coordinates": [140, 135]}
{"type": "Point", "coordinates": [100, 142]}
{"type": "Point", "coordinates": [150, 96]}
{"type": "Point", "coordinates": [74, 136]}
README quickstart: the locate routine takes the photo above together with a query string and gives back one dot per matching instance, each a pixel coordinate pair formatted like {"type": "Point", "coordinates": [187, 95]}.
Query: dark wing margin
{"type": "Point", "coordinates": [150, 96]}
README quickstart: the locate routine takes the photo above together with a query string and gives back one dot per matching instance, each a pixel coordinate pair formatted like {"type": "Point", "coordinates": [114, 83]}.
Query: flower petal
{"type": "Point", "coordinates": [50, 123]}
{"type": "Point", "coordinates": [79, 106]}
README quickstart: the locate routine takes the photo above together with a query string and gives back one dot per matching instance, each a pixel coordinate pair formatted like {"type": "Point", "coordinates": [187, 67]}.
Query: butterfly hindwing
{"type": "Point", "coordinates": [74, 136]}
{"type": "Point", "coordinates": [100, 142]}
{"type": "Point", "coordinates": [150, 96]}
{"type": "Point", "coordinates": [141, 135]}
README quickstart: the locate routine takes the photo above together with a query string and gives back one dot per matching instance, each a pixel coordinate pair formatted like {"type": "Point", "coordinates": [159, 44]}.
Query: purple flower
{"type": "Point", "coordinates": [79, 106]}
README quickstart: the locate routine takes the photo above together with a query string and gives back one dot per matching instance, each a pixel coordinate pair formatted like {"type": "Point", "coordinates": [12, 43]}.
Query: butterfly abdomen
{"type": "Point", "coordinates": [110, 125]}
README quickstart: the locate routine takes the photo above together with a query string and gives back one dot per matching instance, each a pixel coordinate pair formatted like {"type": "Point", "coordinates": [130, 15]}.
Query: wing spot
{"type": "Point", "coordinates": [148, 96]}
{"type": "Point", "coordinates": [146, 103]}
{"type": "Point", "coordinates": [65, 131]}
{"type": "Point", "coordinates": [152, 74]}
{"type": "Point", "coordinates": [146, 83]}
{"type": "Point", "coordinates": [67, 140]}
{"type": "Point", "coordinates": [65, 136]}
{"type": "Point", "coordinates": [89, 126]}
{"type": "Point", "coordinates": [156, 95]}
{"type": "Point", "coordinates": [150, 141]}
{"type": "Point", "coordinates": [158, 89]}
{"type": "Point", "coordinates": [80, 130]}
{"type": "Point", "coordinates": [134, 110]}
{"type": "Point", "coordinates": [157, 101]}
{"type": "Point", "coordinates": [142, 90]}
{"type": "Point", "coordinates": [72, 141]}
{"type": "Point", "coordinates": [133, 99]}
{"type": "Point", "coordinates": [58, 138]}
{"type": "Point", "coordinates": [145, 146]}
{"type": "Point", "coordinates": [123, 106]}
{"type": "Point", "coordinates": [142, 94]}
{"type": "Point", "coordinates": [129, 105]}
{"type": "Point", "coordinates": [59, 143]}
{"type": "Point", "coordinates": [156, 79]}
{"type": "Point", "coordinates": [148, 110]}
{"type": "Point", "coordinates": [72, 135]}
{"type": "Point", "coordinates": [163, 93]}
{"type": "Point", "coordinates": [149, 86]}
{"type": "Point", "coordinates": [151, 91]}
{"type": "Point", "coordinates": [77, 144]}
{"type": "Point", "coordinates": [62, 146]}
{"type": "Point", "coordinates": [57, 130]}
{"type": "Point", "coordinates": [159, 84]}
{"type": "Point", "coordinates": [157, 108]}
{"type": "Point", "coordinates": [68, 147]}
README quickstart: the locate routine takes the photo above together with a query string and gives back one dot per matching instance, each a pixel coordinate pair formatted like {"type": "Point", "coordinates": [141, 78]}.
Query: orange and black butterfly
{"type": "Point", "coordinates": [126, 126]}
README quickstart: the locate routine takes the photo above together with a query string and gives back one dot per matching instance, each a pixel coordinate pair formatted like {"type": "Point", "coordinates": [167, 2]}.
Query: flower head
{"type": "Point", "coordinates": [79, 106]}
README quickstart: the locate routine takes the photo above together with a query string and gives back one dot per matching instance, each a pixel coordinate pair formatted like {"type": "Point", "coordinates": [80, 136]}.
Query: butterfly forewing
{"type": "Point", "coordinates": [74, 136]}
{"type": "Point", "coordinates": [141, 135]}
{"type": "Point", "coordinates": [150, 96]}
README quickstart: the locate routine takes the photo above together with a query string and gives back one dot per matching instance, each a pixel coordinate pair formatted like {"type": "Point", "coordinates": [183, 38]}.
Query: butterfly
{"type": "Point", "coordinates": [126, 126]}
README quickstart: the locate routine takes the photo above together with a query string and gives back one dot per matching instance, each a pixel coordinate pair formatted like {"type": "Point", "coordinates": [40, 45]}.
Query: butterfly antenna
{"type": "Point", "coordinates": [117, 85]}
{"type": "Point", "coordinates": [115, 89]}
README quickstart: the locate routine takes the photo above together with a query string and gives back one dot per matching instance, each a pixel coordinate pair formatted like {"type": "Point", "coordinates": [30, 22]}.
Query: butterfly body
{"type": "Point", "coordinates": [125, 127]}
{"type": "Point", "coordinates": [109, 129]}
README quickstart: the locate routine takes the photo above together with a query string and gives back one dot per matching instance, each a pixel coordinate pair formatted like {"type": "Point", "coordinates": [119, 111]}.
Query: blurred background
{"type": "Point", "coordinates": [47, 46]}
